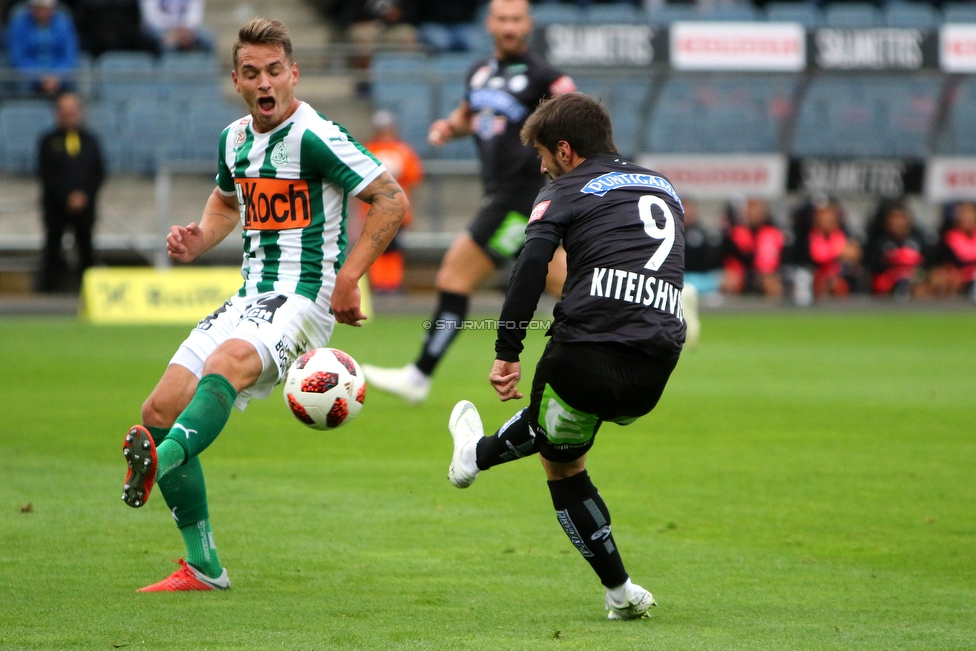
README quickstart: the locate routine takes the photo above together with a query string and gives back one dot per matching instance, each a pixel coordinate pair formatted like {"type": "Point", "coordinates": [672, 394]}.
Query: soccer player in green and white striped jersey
{"type": "Point", "coordinates": [286, 174]}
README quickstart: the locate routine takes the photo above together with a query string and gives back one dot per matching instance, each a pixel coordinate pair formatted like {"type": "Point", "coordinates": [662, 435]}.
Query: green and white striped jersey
{"type": "Point", "coordinates": [293, 186]}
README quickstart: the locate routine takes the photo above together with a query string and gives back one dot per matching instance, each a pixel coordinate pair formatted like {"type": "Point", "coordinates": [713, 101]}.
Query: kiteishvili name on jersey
{"type": "Point", "coordinates": [632, 287]}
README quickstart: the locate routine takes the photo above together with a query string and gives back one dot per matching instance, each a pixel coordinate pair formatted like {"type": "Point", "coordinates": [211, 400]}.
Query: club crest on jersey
{"type": "Point", "coordinates": [279, 155]}
{"type": "Point", "coordinates": [239, 139]}
{"type": "Point", "coordinates": [518, 83]}
{"type": "Point", "coordinates": [619, 180]}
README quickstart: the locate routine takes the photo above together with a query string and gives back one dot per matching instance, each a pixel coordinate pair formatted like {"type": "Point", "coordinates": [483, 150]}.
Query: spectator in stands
{"type": "Point", "coordinates": [703, 253]}
{"type": "Point", "coordinates": [111, 25]}
{"type": "Point", "coordinates": [753, 249]}
{"type": "Point", "coordinates": [955, 270]}
{"type": "Point", "coordinates": [896, 252]}
{"type": "Point", "coordinates": [43, 48]}
{"type": "Point", "coordinates": [71, 172]}
{"type": "Point", "coordinates": [403, 163]}
{"type": "Point", "coordinates": [175, 25]}
{"type": "Point", "coordinates": [447, 25]}
{"type": "Point", "coordinates": [824, 247]}
{"type": "Point", "coordinates": [371, 22]}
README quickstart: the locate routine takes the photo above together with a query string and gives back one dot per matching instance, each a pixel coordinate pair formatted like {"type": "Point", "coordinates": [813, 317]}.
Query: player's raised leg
{"type": "Point", "coordinates": [467, 431]}
{"type": "Point", "coordinates": [184, 490]}
{"type": "Point", "coordinates": [140, 457]}
{"type": "Point", "coordinates": [234, 366]}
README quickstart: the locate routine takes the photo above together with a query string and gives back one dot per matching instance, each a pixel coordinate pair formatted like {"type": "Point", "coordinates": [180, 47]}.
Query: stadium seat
{"type": "Point", "coordinates": [84, 74]}
{"type": "Point", "coordinates": [152, 132]}
{"type": "Point", "coordinates": [732, 12]}
{"type": "Point", "coordinates": [456, 38]}
{"type": "Point", "coordinates": [189, 75]}
{"type": "Point", "coordinates": [547, 14]}
{"type": "Point", "coordinates": [625, 98]}
{"type": "Point", "coordinates": [958, 136]}
{"type": "Point", "coordinates": [855, 14]}
{"type": "Point", "coordinates": [805, 13]}
{"type": "Point", "coordinates": [125, 75]}
{"type": "Point", "coordinates": [668, 13]}
{"type": "Point", "coordinates": [22, 123]}
{"type": "Point", "coordinates": [867, 116]}
{"type": "Point", "coordinates": [402, 83]}
{"type": "Point", "coordinates": [616, 13]}
{"type": "Point", "coordinates": [206, 121]}
{"type": "Point", "coordinates": [959, 12]}
{"type": "Point", "coordinates": [721, 114]}
{"type": "Point", "coordinates": [915, 15]}
{"type": "Point", "coordinates": [455, 63]}
{"type": "Point", "coordinates": [104, 119]}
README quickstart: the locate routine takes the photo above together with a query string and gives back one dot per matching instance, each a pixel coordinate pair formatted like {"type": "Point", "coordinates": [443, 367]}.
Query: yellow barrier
{"type": "Point", "coordinates": [183, 295]}
{"type": "Point", "coordinates": [144, 295]}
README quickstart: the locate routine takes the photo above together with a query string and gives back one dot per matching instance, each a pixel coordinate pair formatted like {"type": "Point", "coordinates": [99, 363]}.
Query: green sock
{"type": "Point", "coordinates": [201, 552]}
{"type": "Point", "coordinates": [185, 492]}
{"type": "Point", "coordinates": [199, 424]}
{"type": "Point", "coordinates": [169, 454]}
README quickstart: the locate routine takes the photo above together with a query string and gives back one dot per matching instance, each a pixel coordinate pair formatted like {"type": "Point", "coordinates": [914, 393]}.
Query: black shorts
{"type": "Point", "coordinates": [579, 386]}
{"type": "Point", "coordinates": [499, 226]}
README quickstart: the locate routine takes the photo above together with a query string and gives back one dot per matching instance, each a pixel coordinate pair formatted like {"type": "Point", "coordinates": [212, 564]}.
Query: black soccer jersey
{"type": "Point", "coordinates": [501, 95]}
{"type": "Point", "coordinates": [623, 230]}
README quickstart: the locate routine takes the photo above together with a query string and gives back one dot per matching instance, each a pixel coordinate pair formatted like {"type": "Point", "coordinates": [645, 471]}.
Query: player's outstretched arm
{"type": "Point", "coordinates": [220, 216]}
{"type": "Point", "coordinates": [387, 206]}
{"type": "Point", "coordinates": [456, 125]}
{"type": "Point", "coordinates": [504, 377]}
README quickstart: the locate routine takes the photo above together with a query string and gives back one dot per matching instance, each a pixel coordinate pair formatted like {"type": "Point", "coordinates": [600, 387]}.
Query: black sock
{"type": "Point", "coordinates": [451, 311]}
{"type": "Point", "coordinates": [512, 441]}
{"type": "Point", "coordinates": [586, 520]}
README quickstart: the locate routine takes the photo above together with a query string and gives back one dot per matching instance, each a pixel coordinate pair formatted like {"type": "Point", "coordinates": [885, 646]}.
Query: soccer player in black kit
{"type": "Point", "coordinates": [502, 90]}
{"type": "Point", "coordinates": [615, 337]}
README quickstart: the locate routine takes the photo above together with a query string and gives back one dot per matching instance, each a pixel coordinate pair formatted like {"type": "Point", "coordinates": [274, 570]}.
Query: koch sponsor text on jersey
{"type": "Point", "coordinates": [273, 204]}
{"type": "Point", "coordinates": [620, 180]}
{"type": "Point", "coordinates": [621, 285]}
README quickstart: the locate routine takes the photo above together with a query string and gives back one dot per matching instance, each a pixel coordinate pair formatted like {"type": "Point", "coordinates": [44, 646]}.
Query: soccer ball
{"type": "Point", "coordinates": [325, 388]}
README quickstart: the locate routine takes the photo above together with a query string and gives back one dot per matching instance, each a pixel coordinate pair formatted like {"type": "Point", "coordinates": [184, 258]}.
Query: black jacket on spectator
{"type": "Point", "coordinates": [61, 174]}
{"type": "Point", "coordinates": [703, 250]}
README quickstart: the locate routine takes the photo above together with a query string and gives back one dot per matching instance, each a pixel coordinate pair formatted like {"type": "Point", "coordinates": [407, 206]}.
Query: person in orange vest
{"type": "Point", "coordinates": [403, 163]}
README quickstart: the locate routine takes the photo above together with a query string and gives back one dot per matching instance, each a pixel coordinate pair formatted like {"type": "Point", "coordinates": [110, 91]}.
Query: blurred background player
{"type": "Point", "coordinates": [403, 163]}
{"type": "Point", "coordinates": [955, 271]}
{"type": "Point", "coordinates": [502, 90]}
{"type": "Point", "coordinates": [242, 350]}
{"type": "Point", "coordinates": [71, 170]}
{"type": "Point", "coordinates": [703, 269]}
{"type": "Point", "coordinates": [753, 249]}
{"type": "Point", "coordinates": [896, 253]}
{"type": "Point", "coordinates": [827, 257]}
{"type": "Point", "coordinates": [617, 333]}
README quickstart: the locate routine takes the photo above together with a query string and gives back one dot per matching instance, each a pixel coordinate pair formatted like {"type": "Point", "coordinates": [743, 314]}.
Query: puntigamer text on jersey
{"type": "Point", "coordinates": [633, 287]}
{"type": "Point", "coordinates": [618, 180]}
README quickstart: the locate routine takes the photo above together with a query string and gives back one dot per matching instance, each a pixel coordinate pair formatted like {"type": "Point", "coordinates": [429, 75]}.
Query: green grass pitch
{"type": "Point", "coordinates": [807, 482]}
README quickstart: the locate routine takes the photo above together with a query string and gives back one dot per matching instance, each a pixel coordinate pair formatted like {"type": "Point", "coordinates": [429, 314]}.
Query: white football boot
{"type": "Point", "coordinates": [407, 382]}
{"type": "Point", "coordinates": [466, 428]}
{"type": "Point", "coordinates": [628, 601]}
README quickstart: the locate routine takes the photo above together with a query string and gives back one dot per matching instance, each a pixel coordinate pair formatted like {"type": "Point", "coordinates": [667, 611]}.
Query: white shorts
{"type": "Point", "coordinates": [279, 326]}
